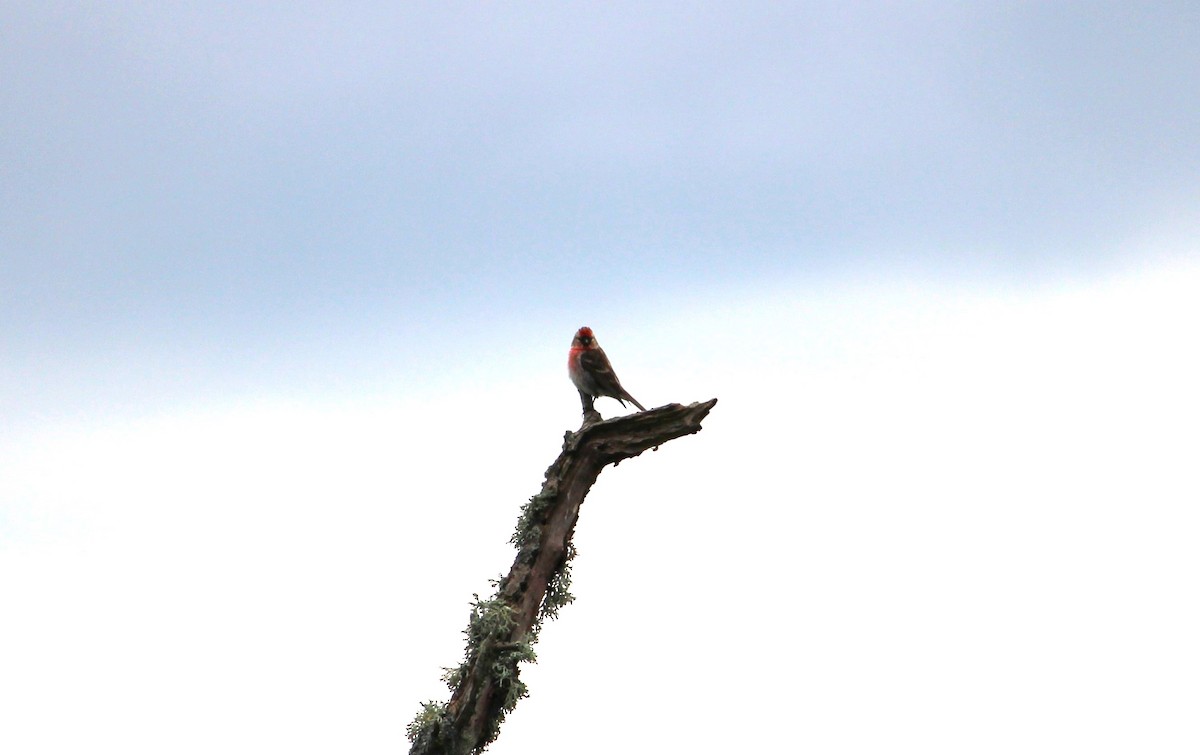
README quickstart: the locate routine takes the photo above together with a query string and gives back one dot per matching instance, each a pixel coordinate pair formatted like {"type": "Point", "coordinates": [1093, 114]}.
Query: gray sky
{"type": "Point", "coordinates": [269, 272]}
{"type": "Point", "coordinates": [217, 191]}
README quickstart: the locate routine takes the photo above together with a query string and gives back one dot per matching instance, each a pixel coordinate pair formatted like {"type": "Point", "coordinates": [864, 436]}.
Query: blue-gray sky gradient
{"type": "Point", "coordinates": [193, 188]}
{"type": "Point", "coordinates": [272, 274]}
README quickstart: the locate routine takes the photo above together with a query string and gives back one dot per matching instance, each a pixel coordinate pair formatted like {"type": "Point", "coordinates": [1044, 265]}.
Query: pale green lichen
{"type": "Point", "coordinates": [529, 529]}
{"type": "Point", "coordinates": [428, 730]}
{"type": "Point", "coordinates": [558, 589]}
{"type": "Point", "coordinates": [488, 645]}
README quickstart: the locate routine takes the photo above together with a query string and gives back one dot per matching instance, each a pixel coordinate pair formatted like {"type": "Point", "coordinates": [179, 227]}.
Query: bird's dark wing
{"type": "Point", "coordinates": [594, 361]}
{"type": "Point", "coordinates": [603, 380]}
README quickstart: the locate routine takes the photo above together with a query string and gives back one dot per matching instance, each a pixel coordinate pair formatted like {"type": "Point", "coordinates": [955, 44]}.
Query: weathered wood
{"type": "Point", "coordinates": [486, 686]}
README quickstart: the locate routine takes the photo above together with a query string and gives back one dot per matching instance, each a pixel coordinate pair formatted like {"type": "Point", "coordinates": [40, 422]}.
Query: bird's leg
{"type": "Point", "coordinates": [589, 408]}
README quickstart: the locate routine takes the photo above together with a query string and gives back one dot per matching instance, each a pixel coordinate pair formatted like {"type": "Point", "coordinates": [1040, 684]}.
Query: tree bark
{"type": "Point", "coordinates": [502, 629]}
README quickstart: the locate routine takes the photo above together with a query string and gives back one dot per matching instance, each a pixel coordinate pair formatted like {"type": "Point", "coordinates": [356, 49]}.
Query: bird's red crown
{"type": "Point", "coordinates": [584, 332]}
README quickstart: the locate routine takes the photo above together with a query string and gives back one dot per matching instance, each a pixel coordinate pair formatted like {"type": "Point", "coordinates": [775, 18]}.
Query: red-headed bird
{"type": "Point", "coordinates": [592, 374]}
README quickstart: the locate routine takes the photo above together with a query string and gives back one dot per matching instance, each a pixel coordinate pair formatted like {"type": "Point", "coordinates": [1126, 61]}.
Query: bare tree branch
{"type": "Point", "coordinates": [503, 628]}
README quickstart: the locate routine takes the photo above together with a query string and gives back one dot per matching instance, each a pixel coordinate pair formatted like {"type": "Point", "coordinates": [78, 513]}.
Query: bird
{"type": "Point", "coordinates": [592, 373]}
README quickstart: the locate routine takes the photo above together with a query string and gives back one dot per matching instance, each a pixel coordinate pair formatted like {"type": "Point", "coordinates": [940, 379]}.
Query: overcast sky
{"type": "Point", "coordinates": [286, 291]}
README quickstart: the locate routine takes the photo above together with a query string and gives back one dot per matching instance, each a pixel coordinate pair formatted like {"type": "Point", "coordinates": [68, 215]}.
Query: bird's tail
{"type": "Point", "coordinates": [633, 400]}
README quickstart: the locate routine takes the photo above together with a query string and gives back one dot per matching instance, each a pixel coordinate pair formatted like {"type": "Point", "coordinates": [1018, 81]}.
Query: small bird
{"type": "Point", "coordinates": [592, 374]}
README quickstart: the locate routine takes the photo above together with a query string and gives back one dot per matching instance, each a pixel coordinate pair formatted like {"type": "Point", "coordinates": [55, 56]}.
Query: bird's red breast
{"type": "Point", "coordinates": [584, 340]}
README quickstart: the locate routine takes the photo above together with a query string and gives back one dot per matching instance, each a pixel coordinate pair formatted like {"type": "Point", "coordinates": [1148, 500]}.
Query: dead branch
{"type": "Point", "coordinates": [486, 686]}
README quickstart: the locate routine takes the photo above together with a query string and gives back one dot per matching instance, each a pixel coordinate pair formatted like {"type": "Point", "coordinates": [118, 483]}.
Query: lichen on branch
{"type": "Point", "coordinates": [503, 628]}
